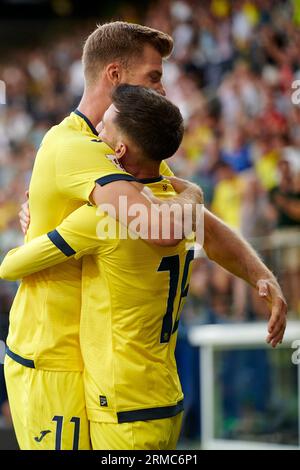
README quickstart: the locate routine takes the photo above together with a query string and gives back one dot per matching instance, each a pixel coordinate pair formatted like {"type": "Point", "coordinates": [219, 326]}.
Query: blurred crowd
{"type": "Point", "coordinates": [231, 74]}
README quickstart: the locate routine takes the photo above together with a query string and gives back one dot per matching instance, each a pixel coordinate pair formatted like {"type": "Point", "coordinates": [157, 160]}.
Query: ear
{"type": "Point", "coordinates": [120, 150]}
{"type": "Point", "coordinates": [113, 73]}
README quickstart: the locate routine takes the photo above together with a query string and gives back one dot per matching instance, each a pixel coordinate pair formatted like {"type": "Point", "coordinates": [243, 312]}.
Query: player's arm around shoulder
{"type": "Point", "coordinates": [79, 229]}
{"type": "Point", "coordinates": [75, 235]}
{"type": "Point", "coordinates": [34, 256]}
{"type": "Point", "coordinates": [127, 198]}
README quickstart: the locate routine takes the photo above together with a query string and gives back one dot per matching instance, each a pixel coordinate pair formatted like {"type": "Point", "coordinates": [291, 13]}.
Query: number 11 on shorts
{"type": "Point", "coordinates": [59, 428]}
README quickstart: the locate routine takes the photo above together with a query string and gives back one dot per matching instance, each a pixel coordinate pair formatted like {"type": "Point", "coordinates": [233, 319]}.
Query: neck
{"type": "Point", "coordinates": [94, 103]}
{"type": "Point", "coordinates": [141, 168]}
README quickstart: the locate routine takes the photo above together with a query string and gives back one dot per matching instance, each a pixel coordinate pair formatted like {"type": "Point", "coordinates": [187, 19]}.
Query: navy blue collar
{"type": "Point", "coordinates": [150, 180]}
{"type": "Point", "coordinates": [79, 113]}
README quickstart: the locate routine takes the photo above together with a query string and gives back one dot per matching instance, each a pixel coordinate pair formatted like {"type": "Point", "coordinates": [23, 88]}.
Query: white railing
{"type": "Point", "coordinates": [215, 337]}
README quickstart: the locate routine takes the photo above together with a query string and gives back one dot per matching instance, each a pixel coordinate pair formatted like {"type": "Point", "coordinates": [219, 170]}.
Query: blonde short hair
{"type": "Point", "coordinates": [121, 41]}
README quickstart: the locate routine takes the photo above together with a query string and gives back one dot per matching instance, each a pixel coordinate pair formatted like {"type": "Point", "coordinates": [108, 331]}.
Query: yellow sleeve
{"type": "Point", "coordinates": [80, 162]}
{"type": "Point", "coordinates": [79, 230]}
{"type": "Point", "coordinates": [30, 258]}
{"type": "Point", "coordinates": [75, 236]}
{"type": "Point", "coordinates": [165, 169]}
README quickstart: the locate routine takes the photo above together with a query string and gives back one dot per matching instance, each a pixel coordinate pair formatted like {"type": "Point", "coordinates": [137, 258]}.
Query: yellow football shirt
{"type": "Point", "coordinates": [132, 295]}
{"type": "Point", "coordinates": [44, 319]}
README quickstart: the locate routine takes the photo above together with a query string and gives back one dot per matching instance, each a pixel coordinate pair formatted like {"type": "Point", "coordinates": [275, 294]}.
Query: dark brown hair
{"type": "Point", "coordinates": [120, 41]}
{"type": "Point", "coordinates": [151, 121]}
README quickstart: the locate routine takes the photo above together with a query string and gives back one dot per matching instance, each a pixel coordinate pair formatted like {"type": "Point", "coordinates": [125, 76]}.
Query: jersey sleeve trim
{"type": "Point", "coordinates": [60, 243]}
{"type": "Point", "coordinates": [150, 413]}
{"type": "Point", "coordinates": [19, 359]}
{"type": "Point", "coordinates": [115, 177]}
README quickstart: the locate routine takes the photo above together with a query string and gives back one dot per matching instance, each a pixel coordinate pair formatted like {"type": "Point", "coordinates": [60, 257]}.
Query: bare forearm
{"type": "Point", "coordinates": [186, 206]}
{"type": "Point", "coordinates": [232, 252]}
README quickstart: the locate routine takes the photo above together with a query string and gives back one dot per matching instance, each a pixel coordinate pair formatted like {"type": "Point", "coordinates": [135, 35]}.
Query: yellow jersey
{"type": "Point", "coordinates": [227, 201]}
{"type": "Point", "coordinates": [44, 319]}
{"type": "Point", "coordinates": [132, 296]}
